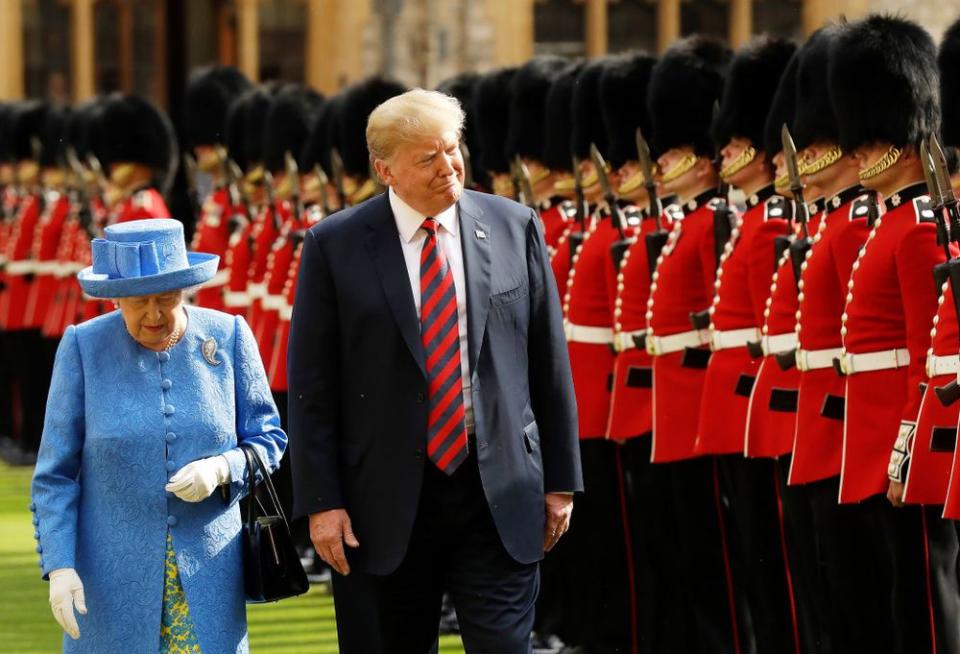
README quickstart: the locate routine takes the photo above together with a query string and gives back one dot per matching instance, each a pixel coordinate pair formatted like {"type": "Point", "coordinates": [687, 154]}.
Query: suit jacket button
{"type": "Point", "coordinates": [418, 454]}
{"type": "Point", "coordinates": [420, 397]}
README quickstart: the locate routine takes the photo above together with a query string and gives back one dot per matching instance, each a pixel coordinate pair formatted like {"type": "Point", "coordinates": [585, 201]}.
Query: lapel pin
{"type": "Point", "coordinates": [209, 350]}
{"type": "Point", "coordinates": [481, 233]}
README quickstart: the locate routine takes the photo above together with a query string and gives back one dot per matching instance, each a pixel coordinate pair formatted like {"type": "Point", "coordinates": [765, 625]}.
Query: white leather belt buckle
{"type": "Point", "coordinates": [236, 299]}
{"type": "Point", "coordinates": [257, 290]}
{"type": "Point", "coordinates": [660, 345]}
{"type": "Point", "coordinates": [942, 365]}
{"type": "Point", "coordinates": [731, 338]}
{"type": "Point", "coordinates": [852, 364]}
{"type": "Point", "coordinates": [20, 267]}
{"type": "Point", "coordinates": [587, 334]}
{"type": "Point", "coordinates": [779, 343]}
{"type": "Point", "coordinates": [817, 359]}
{"type": "Point", "coordinates": [623, 341]}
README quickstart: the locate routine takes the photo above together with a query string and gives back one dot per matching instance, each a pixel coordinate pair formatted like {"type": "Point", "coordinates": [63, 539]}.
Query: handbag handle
{"type": "Point", "coordinates": [254, 462]}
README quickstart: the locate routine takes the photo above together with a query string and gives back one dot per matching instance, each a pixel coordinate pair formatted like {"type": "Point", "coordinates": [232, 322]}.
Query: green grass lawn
{"type": "Point", "coordinates": [304, 625]}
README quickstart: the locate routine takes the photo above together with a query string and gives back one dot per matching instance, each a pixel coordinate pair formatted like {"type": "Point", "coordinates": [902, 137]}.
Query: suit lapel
{"type": "Point", "coordinates": [475, 239]}
{"type": "Point", "coordinates": [383, 244]}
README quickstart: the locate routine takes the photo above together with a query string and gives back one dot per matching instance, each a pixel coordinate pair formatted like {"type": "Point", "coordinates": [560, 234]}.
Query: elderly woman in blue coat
{"type": "Point", "coordinates": [136, 486]}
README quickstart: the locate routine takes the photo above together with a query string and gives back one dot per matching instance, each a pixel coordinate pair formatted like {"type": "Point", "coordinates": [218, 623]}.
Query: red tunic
{"type": "Point", "coordinates": [144, 203]}
{"type": "Point", "coordinates": [55, 322]}
{"type": "Point", "coordinates": [266, 229]}
{"type": "Point", "coordinates": [934, 441]}
{"type": "Point", "coordinates": [631, 404]}
{"type": "Point", "coordinates": [772, 417]}
{"type": "Point", "coordinates": [818, 440]}
{"type": "Point", "coordinates": [681, 285]}
{"type": "Point", "coordinates": [588, 302]}
{"type": "Point", "coordinates": [46, 242]}
{"type": "Point", "coordinates": [556, 215]}
{"type": "Point", "coordinates": [19, 265]}
{"type": "Point", "coordinates": [890, 306]}
{"type": "Point", "coordinates": [213, 237]}
{"type": "Point", "coordinates": [274, 279]}
{"type": "Point", "coordinates": [742, 286]}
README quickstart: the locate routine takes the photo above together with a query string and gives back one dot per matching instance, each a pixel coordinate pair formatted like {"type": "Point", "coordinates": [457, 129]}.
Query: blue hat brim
{"type": "Point", "coordinates": [202, 268]}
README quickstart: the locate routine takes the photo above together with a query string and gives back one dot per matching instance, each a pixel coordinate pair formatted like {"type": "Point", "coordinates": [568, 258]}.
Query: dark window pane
{"type": "Point", "coordinates": [705, 17]}
{"type": "Point", "coordinates": [632, 25]}
{"type": "Point", "coordinates": [558, 27]}
{"type": "Point", "coordinates": [282, 40]}
{"type": "Point", "coordinates": [46, 49]}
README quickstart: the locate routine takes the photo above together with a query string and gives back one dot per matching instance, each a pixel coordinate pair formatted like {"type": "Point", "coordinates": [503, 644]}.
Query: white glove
{"type": "Point", "coordinates": [66, 591]}
{"type": "Point", "coordinates": [197, 480]}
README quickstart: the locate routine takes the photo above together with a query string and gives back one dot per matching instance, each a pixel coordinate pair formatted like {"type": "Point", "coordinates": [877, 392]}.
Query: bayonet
{"type": "Point", "coordinates": [190, 170]}
{"type": "Point", "coordinates": [526, 187]}
{"type": "Point", "coordinates": [799, 248]}
{"type": "Point", "coordinates": [322, 177]}
{"type": "Point", "coordinates": [601, 167]}
{"type": "Point", "coordinates": [336, 163]}
{"type": "Point", "coordinates": [293, 177]}
{"type": "Point", "coordinates": [943, 237]}
{"type": "Point", "coordinates": [946, 198]}
{"type": "Point", "coordinates": [646, 166]}
{"type": "Point", "coordinates": [576, 238]}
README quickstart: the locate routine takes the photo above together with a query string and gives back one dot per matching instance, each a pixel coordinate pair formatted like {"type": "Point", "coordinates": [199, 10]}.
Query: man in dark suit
{"type": "Point", "coordinates": [432, 416]}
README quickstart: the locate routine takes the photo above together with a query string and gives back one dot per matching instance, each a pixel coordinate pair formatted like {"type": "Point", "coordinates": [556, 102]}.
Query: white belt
{"type": "Point", "coordinates": [272, 302]}
{"type": "Point", "coordinates": [257, 290]}
{"type": "Point", "coordinates": [731, 338]}
{"type": "Point", "coordinates": [658, 345]}
{"type": "Point", "coordinates": [942, 365]}
{"type": "Point", "coordinates": [817, 359]}
{"type": "Point", "coordinates": [623, 341]}
{"type": "Point", "coordinates": [46, 267]}
{"type": "Point", "coordinates": [286, 312]}
{"type": "Point", "coordinates": [221, 278]}
{"type": "Point", "coordinates": [779, 343]}
{"type": "Point", "coordinates": [65, 268]}
{"type": "Point", "coordinates": [584, 334]}
{"type": "Point", "coordinates": [20, 267]}
{"type": "Point", "coordinates": [851, 364]}
{"type": "Point", "coordinates": [236, 299]}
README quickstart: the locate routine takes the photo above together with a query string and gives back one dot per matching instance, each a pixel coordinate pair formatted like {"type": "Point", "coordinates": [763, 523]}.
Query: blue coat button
{"type": "Point", "coordinates": [33, 506]}
{"type": "Point", "coordinates": [169, 410]}
{"type": "Point", "coordinates": [164, 357]}
{"type": "Point", "coordinates": [40, 564]}
{"type": "Point", "coordinates": [36, 535]}
{"type": "Point", "coordinates": [171, 520]}
{"type": "Point", "coordinates": [171, 466]}
{"type": "Point", "coordinates": [39, 549]}
{"type": "Point", "coordinates": [166, 384]}
{"type": "Point", "coordinates": [36, 520]}
{"type": "Point", "coordinates": [171, 437]}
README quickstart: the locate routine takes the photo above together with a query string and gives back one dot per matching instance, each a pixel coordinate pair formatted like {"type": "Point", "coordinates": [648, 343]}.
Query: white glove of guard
{"type": "Point", "coordinates": [197, 480]}
{"type": "Point", "coordinates": [66, 592]}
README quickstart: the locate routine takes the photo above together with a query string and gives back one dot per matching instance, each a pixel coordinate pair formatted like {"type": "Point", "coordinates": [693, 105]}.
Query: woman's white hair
{"type": "Point", "coordinates": [409, 117]}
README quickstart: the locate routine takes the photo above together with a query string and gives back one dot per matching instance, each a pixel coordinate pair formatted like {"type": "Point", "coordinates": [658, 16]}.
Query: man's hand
{"type": "Point", "coordinates": [329, 530]}
{"type": "Point", "coordinates": [559, 510]}
{"type": "Point", "coordinates": [895, 493]}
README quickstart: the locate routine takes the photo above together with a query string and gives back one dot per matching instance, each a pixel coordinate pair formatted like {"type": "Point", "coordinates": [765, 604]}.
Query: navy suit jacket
{"type": "Point", "coordinates": [358, 387]}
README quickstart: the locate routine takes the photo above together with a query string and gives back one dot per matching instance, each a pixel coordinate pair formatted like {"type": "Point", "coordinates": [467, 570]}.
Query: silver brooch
{"type": "Point", "coordinates": [835, 202]}
{"type": "Point", "coordinates": [209, 350]}
{"type": "Point", "coordinates": [895, 199]}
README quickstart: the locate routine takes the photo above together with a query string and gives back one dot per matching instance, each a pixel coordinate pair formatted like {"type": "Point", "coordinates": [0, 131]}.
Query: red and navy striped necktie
{"type": "Point", "coordinates": [440, 334]}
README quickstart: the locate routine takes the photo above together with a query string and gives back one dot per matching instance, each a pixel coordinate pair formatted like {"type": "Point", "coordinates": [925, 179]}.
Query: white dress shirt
{"type": "Point", "coordinates": [412, 238]}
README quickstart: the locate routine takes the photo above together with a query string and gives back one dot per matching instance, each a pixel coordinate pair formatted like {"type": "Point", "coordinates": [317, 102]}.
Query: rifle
{"type": "Point", "coordinates": [233, 175]}
{"type": "Point", "coordinates": [618, 248]}
{"type": "Point", "coordinates": [941, 272]}
{"type": "Point", "coordinates": [336, 164]}
{"type": "Point", "coordinates": [293, 174]}
{"type": "Point", "coordinates": [468, 180]}
{"type": "Point", "coordinates": [526, 187]}
{"type": "Point", "coordinates": [270, 199]}
{"type": "Point", "coordinates": [723, 216]}
{"type": "Point", "coordinates": [576, 238]}
{"type": "Point", "coordinates": [656, 239]}
{"type": "Point", "coordinates": [322, 177]}
{"type": "Point", "coordinates": [82, 198]}
{"type": "Point", "coordinates": [798, 249]}
{"type": "Point", "coordinates": [944, 199]}
{"type": "Point", "coordinates": [190, 170]}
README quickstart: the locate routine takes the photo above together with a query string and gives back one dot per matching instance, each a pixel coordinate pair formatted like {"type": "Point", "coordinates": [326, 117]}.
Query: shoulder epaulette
{"type": "Point", "coordinates": [674, 212]}
{"type": "Point", "coordinates": [924, 207]}
{"type": "Point", "coordinates": [775, 207]}
{"type": "Point", "coordinates": [860, 208]}
{"type": "Point", "coordinates": [633, 216]}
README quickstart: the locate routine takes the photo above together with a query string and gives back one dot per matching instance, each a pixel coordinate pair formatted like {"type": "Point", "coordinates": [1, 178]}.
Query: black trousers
{"type": "Point", "coordinates": [601, 570]}
{"type": "Point", "coordinates": [701, 563]}
{"type": "Point", "coordinates": [455, 548]}
{"type": "Point", "coordinates": [752, 500]}
{"type": "Point", "coordinates": [943, 546]}
{"type": "Point", "coordinates": [663, 622]}
{"type": "Point", "coordinates": [803, 560]}
{"type": "Point", "coordinates": [7, 385]}
{"type": "Point", "coordinates": [31, 364]}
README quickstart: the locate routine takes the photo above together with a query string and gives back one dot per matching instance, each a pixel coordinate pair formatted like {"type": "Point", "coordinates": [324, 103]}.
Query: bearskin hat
{"type": "Point", "coordinates": [813, 118]}
{"type": "Point", "coordinates": [623, 101]}
{"type": "Point", "coordinates": [883, 82]}
{"type": "Point", "coordinates": [685, 83]}
{"type": "Point", "coordinates": [782, 108]}
{"type": "Point", "coordinates": [559, 121]}
{"type": "Point", "coordinates": [316, 149]}
{"type": "Point", "coordinates": [293, 111]}
{"type": "Point", "coordinates": [53, 141]}
{"type": "Point", "coordinates": [463, 88]}
{"type": "Point", "coordinates": [358, 103]}
{"type": "Point", "coordinates": [7, 110]}
{"type": "Point", "coordinates": [26, 125]}
{"type": "Point", "coordinates": [132, 130]}
{"type": "Point", "coordinates": [528, 103]}
{"type": "Point", "coordinates": [751, 84]}
{"type": "Point", "coordinates": [80, 126]}
{"type": "Point", "coordinates": [493, 118]}
{"type": "Point", "coordinates": [949, 63]}
{"type": "Point", "coordinates": [587, 115]}
{"type": "Point", "coordinates": [207, 100]}
{"type": "Point", "coordinates": [245, 122]}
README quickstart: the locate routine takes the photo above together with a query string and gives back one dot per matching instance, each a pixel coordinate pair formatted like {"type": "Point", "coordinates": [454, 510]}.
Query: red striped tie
{"type": "Point", "coordinates": [440, 334]}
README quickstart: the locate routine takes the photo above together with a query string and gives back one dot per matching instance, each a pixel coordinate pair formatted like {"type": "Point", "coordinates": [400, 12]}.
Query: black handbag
{"type": "Point", "coordinates": [271, 566]}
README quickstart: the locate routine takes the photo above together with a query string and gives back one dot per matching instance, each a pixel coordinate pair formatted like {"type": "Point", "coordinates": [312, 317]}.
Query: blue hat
{"type": "Point", "coordinates": [144, 257]}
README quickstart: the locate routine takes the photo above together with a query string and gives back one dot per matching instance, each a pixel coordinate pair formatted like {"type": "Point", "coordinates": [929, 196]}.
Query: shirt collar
{"type": "Point", "coordinates": [409, 219]}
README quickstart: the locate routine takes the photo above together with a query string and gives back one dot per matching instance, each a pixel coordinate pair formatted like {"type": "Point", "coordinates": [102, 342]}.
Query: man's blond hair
{"type": "Point", "coordinates": [409, 117]}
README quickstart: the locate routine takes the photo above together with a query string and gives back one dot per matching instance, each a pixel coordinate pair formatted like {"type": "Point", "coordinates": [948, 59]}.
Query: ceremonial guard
{"type": "Point", "coordinates": [492, 104]}
{"type": "Point", "coordinates": [745, 267]}
{"type": "Point", "coordinates": [26, 127]}
{"type": "Point", "coordinates": [245, 147]}
{"type": "Point", "coordinates": [209, 94]}
{"type": "Point", "coordinates": [891, 301]}
{"type": "Point", "coordinates": [287, 127]}
{"type": "Point", "coordinates": [685, 84]}
{"type": "Point", "coordinates": [623, 97]}
{"type": "Point", "coordinates": [137, 148]}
